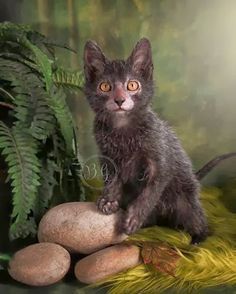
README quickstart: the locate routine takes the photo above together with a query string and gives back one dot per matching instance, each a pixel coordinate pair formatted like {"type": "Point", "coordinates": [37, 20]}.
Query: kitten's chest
{"type": "Point", "coordinates": [127, 154]}
{"type": "Point", "coordinates": [119, 146]}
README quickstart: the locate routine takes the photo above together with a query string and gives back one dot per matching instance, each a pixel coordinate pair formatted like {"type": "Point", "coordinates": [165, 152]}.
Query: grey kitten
{"type": "Point", "coordinates": [154, 181]}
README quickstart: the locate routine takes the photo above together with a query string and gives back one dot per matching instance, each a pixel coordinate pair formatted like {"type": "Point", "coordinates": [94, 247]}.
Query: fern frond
{"type": "Point", "coordinates": [59, 147]}
{"type": "Point", "coordinates": [4, 260]}
{"type": "Point", "coordinates": [63, 115]}
{"type": "Point", "coordinates": [21, 228]}
{"type": "Point", "coordinates": [38, 147]}
{"type": "Point", "coordinates": [69, 79]}
{"type": "Point", "coordinates": [6, 27]}
{"type": "Point", "coordinates": [5, 257]}
{"type": "Point", "coordinates": [7, 94]}
{"type": "Point", "coordinates": [23, 81]}
{"type": "Point", "coordinates": [19, 150]}
{"type": "Point", "coordinates": [18, 34]}
{"type": "Point", "coordinates": [17, 57]}
{"type": "Point", "coordinates": [31, 99]}
{"type": "Point", "coordinates": [48, 183]}
{"type": "Point", "coordinates": [12, 39]}
{"type": "Point", "coordinates": [43, 62]}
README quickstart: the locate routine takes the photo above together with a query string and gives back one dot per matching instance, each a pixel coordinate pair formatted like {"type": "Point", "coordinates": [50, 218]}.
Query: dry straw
{"type": "Point", "coordinates": [211, 264]}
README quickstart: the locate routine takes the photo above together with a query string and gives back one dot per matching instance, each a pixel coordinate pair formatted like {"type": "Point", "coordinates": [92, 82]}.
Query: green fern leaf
{"type": "Point", "coordinates": [43, 61]}
{"type": "Point", "coordinates": [19, 149]}
{"type": "Point", "coordinates": [63, 115]}
{"type": "Point", "coordinates": [21, 228]}
{"type": "Point", "coordinates": [4, 260]}
{"type": "Point", "coordinates": [67, 79]}
{"type": "Point", "coordinates": [13, 27]}
{"type": "Point", "coordinates": [16, 57]}
{"type": "Point", "coordinates": [59, 148]}
{"type": "Point", "coordinates": [38, 148]}
{"type": "Point", "coordinates": [18, 34]}
{"type": "Point", "coordinates": [31, 99]}
{"type": "Point", "coordinates": [5, 257]}
{"type": "Point", "coordinates": [48, 183]}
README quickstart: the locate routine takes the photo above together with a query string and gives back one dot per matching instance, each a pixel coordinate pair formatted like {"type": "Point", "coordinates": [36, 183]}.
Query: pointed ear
{"type": "Point", "coordinates": [140, 59]}
{"type": "Point", "coordinates": [94, 60]}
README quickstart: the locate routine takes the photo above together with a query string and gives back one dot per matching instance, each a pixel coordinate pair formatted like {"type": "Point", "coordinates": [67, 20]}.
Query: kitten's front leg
{"type": "Point", "coordinates": [139, 210]}
{"type": "Point", "coordinates": [108, 202]}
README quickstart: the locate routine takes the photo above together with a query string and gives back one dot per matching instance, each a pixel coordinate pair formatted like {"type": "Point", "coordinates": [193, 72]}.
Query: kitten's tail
{"type": "Point", "coordinates": [211, 164]}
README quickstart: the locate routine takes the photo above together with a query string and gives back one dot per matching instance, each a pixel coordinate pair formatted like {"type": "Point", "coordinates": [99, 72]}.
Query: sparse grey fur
{"type": "Point", "coordinates": [155, 182]}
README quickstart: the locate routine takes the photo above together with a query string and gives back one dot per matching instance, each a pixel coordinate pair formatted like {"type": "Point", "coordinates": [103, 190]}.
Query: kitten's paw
{"type": "Point", "coordinates": [131, 224]}
{"type": "Point", "coordinates": [107, 206]}
{"type": "Point", "coordinates": [197, 239]}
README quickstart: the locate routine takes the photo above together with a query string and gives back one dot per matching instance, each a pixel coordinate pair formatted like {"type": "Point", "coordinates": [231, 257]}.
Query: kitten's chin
{"type": "Point", "coordinates": [120, 119]}
{"type": "Point", "coordinates": [120, 111]}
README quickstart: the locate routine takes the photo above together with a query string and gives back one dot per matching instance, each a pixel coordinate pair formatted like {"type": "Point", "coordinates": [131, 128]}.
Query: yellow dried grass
{"type": "Point", "coordinates": [211, 264]}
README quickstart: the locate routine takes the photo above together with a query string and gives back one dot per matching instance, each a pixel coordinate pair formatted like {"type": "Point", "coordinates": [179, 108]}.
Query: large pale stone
{"type": "Point", "coordinates": [107, 262]}
{"type": "Point", "coordinates": [40, 264]}
{"type": "Point", "coordinates": [79, 227]}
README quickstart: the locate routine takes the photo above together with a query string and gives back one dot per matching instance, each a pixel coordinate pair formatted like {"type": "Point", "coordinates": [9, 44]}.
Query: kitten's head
{"type": "Point", "coordinates": [118, 87]}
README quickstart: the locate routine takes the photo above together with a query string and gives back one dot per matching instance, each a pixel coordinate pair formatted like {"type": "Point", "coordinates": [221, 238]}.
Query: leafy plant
{"type": "Point", "coordinates": [4, 259]}
{"type": "Point", "coordinates": [39, 144]}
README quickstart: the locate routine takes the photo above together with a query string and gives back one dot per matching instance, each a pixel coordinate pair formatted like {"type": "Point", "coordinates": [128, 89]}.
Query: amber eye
{"type": "Point", "coordinates": [132, 86]}
{"type": "Point", "coordinates": [105, 87]}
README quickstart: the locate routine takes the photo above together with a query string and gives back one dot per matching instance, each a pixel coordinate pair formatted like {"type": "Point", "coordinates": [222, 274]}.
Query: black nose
{"type": "Point", "coordinates": [119, 101]}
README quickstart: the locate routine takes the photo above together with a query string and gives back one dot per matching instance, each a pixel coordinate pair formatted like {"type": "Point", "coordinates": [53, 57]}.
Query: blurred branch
{"type": "Point", "coordinates": [7, 93]}
{"type": "Point", "coordinates": [6, 105]}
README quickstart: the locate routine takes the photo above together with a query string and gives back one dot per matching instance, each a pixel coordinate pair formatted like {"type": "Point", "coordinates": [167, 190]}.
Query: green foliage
{"type": "Point", "coordinates": [68, 79]}
{"type": "Point", "coordinates": [19, 150]}
{"type": "Point", "coordinates": [38, 143]}
{"type": "Point", "coordinates": [62, 113]}
{"type": "Point", "coordinates": [4, 259]}
{"type": "Point", "coordinates": [43, 63]}
{"type": "Point", "coordinates": [47, 184]}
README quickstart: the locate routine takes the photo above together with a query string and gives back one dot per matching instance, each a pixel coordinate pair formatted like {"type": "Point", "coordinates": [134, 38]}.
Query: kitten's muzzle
{"type": "Point", "coordinates": [119, 101]}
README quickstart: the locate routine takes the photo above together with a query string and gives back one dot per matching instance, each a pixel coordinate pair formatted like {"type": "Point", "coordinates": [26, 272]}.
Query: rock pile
{"type": "Point", "coordinates": [76, 227]}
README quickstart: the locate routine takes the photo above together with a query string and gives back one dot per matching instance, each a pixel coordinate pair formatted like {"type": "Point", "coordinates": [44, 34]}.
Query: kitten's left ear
{"type": "Point", "coordinates": [94, 60]}
{"type": "Point", "coordinates": [140, 59]}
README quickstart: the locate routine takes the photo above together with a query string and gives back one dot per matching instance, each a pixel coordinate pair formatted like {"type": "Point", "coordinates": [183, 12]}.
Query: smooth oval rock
{"type": "Point", "coordinates": [79, 227]}
{"type": "Point", "coordinates": [107, 262]}
{"type": "Point", "coordinates": [40, 264]}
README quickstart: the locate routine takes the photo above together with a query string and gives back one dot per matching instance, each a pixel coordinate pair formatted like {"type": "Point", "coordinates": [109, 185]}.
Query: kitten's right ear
{"type": "Point", "coordinates": [94, 60]}
{"type": "Point", "coordinates": [140, 59]}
